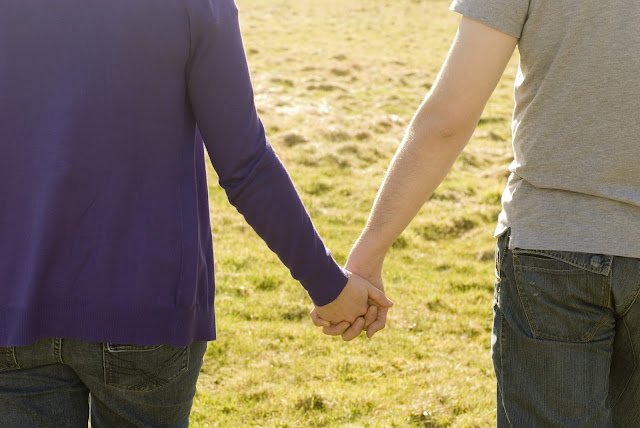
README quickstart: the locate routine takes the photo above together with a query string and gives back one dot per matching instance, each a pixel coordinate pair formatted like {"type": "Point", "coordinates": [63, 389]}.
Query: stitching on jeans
{"type": "Point", "coordinates": [15, 360]}
{"type": "Point", "coordinates": [587, 337]}
{"type": "Point", "coordinates": [633, 419]}
{"type": "Point", "coordinates": [112, 361]}
{"type": "Point", "coordinates": [10, 355]}
{"type": "Point", "coordinates": [502, 339]}
{"type": "Point", "coordinates": [105, 363]}
{"type": "Point", "coordinates": [633, 301]}
{"type": "Point", "coordinates": [626, 330]}
{"type": "Point", "coordinates": [584, 339]}
{"type": "Point", "coordinates": [57, 348]}
{"type": "Point", "coordinates": [577, 260]}
{"type": "Point", "coordinates": [608, 295]}
{"type": "Point", "coordinates": [523, 298]}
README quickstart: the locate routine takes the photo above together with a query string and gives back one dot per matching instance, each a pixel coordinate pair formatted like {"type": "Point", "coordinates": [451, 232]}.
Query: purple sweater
{"type": "Point", "coordinates": [104, 218]}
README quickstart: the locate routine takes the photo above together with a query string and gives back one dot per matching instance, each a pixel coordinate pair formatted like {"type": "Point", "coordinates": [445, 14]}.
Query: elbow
{"type": "Point", "coordinates": [244, 173]}
{"type": "Point", "coordinates": [442, 124]}
{"type": "Point", "coordinates": [439, 127]}
{"type": "Point", "coordinates": [445, 130]}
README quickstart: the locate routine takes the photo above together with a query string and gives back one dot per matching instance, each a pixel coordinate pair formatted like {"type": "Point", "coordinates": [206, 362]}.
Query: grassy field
{"type": "Point", "coordinates": [336, 83]}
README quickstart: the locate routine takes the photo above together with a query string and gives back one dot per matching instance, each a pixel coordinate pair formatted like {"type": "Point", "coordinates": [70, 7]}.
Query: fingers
{"type": "Point", "coordinates": [378, 296]}
{"type": "Point", "coordinates": [371, 316]}
{"type": "Point", "coordinates": [360, 306]}
{"type": "Point", "coordinates": [353, 331]}
{"type": "Point", "coordinates": [317, 321]}
{"type": "Point", "coordinates": [374, 321]}
{"type": "Point", "coordinates": [379, 323]}
{"type": "Point", "coordinates": [337, 329]}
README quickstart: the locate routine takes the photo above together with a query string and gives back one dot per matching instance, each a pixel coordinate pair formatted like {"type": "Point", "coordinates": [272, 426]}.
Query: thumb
{"type": "Point", "coordinates": [317, 321]}
{"type": "Point", "coordinates": [378, 296]}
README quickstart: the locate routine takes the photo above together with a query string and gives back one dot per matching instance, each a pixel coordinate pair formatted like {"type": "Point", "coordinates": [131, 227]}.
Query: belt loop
{"type": "Point", "coordinates": [503, 245]}
{"type": "Point", "coordinates": [57, 349]}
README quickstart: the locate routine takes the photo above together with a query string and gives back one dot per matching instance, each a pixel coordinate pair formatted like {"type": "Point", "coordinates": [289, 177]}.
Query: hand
{"type": "Point", "coordinates": [379, 313]}
{"type": "Point", "coordinates": [353, 310]}
{"type": "Point", "coordinates": [369, 266]}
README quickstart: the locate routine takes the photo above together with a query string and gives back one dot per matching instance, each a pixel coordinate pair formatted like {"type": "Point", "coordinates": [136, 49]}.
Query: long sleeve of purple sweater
{"type": "Point", "coordinates": [104, 213]}
{"type": "Point", "coordinates": [250, 172]}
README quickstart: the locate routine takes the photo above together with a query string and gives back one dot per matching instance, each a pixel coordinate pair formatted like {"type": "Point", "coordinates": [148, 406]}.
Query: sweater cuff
{"type": "Point", "coordinates": [327, 283]}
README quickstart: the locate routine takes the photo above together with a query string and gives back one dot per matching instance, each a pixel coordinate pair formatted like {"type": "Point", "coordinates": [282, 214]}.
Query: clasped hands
{"type": "Point", "coordinates": [362, 305]}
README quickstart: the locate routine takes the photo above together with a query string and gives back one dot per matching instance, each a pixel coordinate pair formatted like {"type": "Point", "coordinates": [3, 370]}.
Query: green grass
{"type": "Point", "coordinates": [336, 84]}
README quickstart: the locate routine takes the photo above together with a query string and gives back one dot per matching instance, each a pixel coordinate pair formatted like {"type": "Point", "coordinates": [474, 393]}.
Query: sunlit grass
{"type": "Point", "coordinates": [336, 84]}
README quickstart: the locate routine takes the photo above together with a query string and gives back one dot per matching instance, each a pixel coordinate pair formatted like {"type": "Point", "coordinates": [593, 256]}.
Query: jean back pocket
{"type": "Point", "coordinates": [565, 295]}
{"type": "Point", "coordinates": [141, 367]}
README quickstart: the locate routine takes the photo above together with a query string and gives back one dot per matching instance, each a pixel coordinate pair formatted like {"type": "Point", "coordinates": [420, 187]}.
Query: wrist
{"type": "Point", "coordinates": [365, 260]}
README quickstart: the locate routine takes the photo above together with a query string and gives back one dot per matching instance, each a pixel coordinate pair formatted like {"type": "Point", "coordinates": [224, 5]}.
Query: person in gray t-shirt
{"type": "Point", "coordinates": [566, 329]}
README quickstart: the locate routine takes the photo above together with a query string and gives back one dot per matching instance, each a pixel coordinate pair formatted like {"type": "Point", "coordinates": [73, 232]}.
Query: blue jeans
{"type": "Point", "coordinates": [50, 383]}
{"type": "Point", "coordinates": [566, 339]}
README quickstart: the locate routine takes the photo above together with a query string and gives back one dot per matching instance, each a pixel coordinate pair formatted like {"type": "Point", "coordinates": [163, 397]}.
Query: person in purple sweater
{"type": "Point", "coordinates": [106, 260]}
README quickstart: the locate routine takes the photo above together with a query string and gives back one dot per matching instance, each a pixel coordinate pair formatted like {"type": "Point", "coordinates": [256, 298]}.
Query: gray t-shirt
{"type": "Point", "coordinates": [575, 178]}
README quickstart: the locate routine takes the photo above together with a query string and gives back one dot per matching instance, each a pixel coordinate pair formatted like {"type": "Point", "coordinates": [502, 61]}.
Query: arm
{"type": "Point", "coordinates": [253, 177]}
{"type": "Point", "coordinates": [439, 131]}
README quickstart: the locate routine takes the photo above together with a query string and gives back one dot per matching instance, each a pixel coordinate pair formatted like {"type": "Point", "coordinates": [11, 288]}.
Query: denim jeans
{"type": "Point", "coordinates": [51, 382]}
{"type": "Point", "coordinates": [566, 339]}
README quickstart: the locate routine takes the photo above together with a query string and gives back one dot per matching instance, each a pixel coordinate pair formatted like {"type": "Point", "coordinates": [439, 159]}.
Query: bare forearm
{"type": "Point", "coordinates": [438, 132]}
{"type": "Point", "coordinates": [421, 163]}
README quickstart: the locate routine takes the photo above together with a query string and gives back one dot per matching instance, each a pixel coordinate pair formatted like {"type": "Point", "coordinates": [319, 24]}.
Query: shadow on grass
{"type": "Point", "coordinates": [315, 402]}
